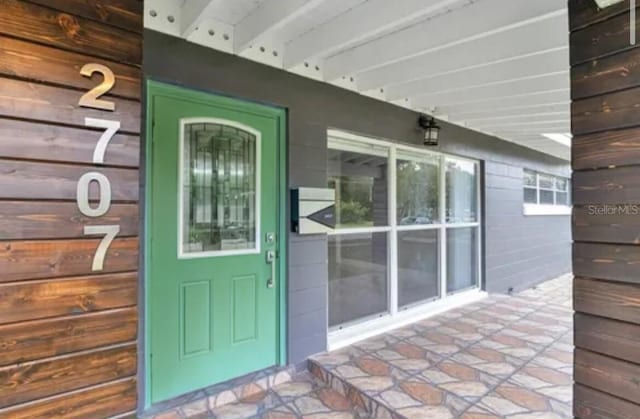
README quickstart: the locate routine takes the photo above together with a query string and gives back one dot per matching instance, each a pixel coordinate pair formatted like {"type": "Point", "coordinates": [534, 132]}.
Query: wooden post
{"type": "Point", "coordinates": [605, 87]}
{"type": "Point", "coordinates": [70, 88]}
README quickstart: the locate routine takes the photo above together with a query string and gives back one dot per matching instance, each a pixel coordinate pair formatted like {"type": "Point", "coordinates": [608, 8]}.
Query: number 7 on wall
{"type": "Point", "coordinates": [91, 100]}
{"type": "Point", "coordinates": [110, 232]}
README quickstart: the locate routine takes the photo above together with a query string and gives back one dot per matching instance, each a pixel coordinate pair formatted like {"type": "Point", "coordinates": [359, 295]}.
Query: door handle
{"type": "Point", "coordinates": [271, 260]}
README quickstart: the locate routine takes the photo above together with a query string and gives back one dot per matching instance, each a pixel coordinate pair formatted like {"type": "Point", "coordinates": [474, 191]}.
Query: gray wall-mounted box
{"type": "Point", "coordinates": [313, 210]}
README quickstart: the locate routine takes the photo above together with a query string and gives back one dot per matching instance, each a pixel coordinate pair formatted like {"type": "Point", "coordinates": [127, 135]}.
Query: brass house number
{"type": "Point", "coordinates": [91, 99]}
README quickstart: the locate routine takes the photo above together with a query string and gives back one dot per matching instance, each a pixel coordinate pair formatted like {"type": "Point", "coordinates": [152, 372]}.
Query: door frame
{"type": "Point", "coordinates": [154, 89]}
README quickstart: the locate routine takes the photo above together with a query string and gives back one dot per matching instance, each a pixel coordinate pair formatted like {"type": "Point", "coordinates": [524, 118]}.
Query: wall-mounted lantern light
{"type": "Point", "coordinates": [431, 130]}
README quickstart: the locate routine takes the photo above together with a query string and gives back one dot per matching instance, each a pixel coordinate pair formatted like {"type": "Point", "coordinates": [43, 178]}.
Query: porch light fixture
{"type": "Point", "coordinates": [431, 130]}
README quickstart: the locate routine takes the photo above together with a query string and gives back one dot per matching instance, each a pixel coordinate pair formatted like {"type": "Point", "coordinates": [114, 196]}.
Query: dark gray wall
{"type": "Point", "coordinates": [519, 251]}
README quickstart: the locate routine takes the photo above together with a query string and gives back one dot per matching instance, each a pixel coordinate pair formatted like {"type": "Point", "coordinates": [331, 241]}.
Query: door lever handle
{"type": "Point", "coordinates": [271, 260]}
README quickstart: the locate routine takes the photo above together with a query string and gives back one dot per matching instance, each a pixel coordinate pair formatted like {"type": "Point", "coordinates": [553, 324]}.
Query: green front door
{"type": "Point", "coordinates": [214, 228]}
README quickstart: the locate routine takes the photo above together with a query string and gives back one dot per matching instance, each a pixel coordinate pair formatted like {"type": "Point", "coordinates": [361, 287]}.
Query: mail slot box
{"type": "Point", "coordinates": [313, 210]}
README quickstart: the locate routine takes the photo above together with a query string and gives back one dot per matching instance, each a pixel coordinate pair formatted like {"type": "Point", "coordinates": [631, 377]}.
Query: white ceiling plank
{"type": "Point", "coordinates": [484, 93]}
{"type": "Point", "coordinates": [545, 35]}
{"type": "Point", "coordinates": [533, 65]}
{"type": "Point", "coordinates": [268, 16]}
{"type": "Point", "coordinates": [515, 112]}
{"type": "Point", "coordinates": [563, 113]}
{"type": "Point", "coordinates": [477, 20]}
{"type": "Point", "coordinates": [498, 104]}
{"type": "Point", "coordinates": [192, 12]}
{"type": "Point", "coordinates": [363, 22]}
{"type": "Point", "coordinates": [542, 120]}
{"type": "Point", "coordinates": [556, 128]}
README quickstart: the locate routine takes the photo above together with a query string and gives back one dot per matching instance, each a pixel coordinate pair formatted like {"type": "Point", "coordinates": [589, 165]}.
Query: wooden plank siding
{"type": "Point", "coordinates": [68, 330]}
{"type": "Point", "coordinates": [605, 84]}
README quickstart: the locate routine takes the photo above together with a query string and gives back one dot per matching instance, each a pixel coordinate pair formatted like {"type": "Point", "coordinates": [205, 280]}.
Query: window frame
{"type": "Point", "coordinates": [334, 139]}
{"type": "Point", "coordinates": [538, 208]}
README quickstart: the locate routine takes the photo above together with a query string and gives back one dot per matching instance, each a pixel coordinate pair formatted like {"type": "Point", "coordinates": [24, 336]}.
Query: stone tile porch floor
{"type": "Point", "coordinates": [503, 357]}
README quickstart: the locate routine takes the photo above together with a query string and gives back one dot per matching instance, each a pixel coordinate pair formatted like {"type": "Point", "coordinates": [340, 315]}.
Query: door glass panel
{"type": "Point", "coordinates": [357, 277]}
{"type": "Point", "coordinates": [417, 189]}
{"type": "Point", "coordinates": [461, 191]}
{"type": "Point", "coordinates": [417, 266]}
{"type": "Point", "coordinates": [462, 258]}
{"type": "Point", "coordinates": [219, 189]}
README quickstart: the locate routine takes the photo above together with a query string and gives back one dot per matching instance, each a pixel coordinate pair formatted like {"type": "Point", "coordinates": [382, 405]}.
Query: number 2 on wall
{"type": "Point", "coordinates": [90, 100]}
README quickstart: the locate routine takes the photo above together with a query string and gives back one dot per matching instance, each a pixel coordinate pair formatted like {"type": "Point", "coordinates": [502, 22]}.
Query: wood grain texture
{"type": "Point", "coordinates": [125, 14]}
{"type": "Point", "coordinates": [48, 377]}
{"type": "Point", "coordinates": [610, 186]}
{"type": "Point", "coordinates": [593, 404]}
{"type": "Point", "coordinates": [607, 299]}
{"type": "Point", "coordinates": [607, 261]}
{"type": "Point", "coordinates": [103, 400]}
{"type": "Point", "coordinates": [603, 113]}
{"type": "Point", "coordinates": [31, 300]}
{"type": "Point", "coordinates": [595, 223]}
{"type": "Point", "coordinates": [608, 74]}
{"type": "Point", "coordinates": [606, 149]}
{"type": "Point", "coordinates": [28, 100]}
{"type": "Point", "coordinates": [20, 220]}
{"type": "Point", "coordinates": [69, 32]}
{"type": "Point", "coordinates": [606, 336]}
{"type": "Point", "coordinates": [608, 375]}
{"type": "Point", "coordinates": [41, 63]}
{"type": "Point", "coordinates": [38, 141]}
{"type": "Point", "coordinates": [608, 37]}
{"type": "Point", "coordinates": [586, 12]}
{"type": "Point", "coordinates": [22, 260]}
{"type": "Point", "coordinates": [42, 180]}
{"type": "Point", "coordinates": [28, 341]}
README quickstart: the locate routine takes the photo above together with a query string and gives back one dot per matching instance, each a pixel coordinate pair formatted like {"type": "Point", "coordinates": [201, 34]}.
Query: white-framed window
{"type": "Point", "coordinates": [407, 228]}
{"type": "Point", "coordinates": [546, 194]}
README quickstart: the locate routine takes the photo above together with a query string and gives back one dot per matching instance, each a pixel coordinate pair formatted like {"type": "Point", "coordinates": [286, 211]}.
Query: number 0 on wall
{"type": "Point", "coordinates": [91, 100]}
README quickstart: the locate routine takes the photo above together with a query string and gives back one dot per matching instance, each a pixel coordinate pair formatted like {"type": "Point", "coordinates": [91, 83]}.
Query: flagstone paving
{"type": "Point", "coordinates": [503, 357]}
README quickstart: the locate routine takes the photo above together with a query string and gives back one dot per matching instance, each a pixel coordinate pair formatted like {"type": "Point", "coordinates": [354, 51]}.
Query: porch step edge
{"type": "Point", "coordinates": [358, 398]}
{"type": "Point", "coordinates": [202, 401]}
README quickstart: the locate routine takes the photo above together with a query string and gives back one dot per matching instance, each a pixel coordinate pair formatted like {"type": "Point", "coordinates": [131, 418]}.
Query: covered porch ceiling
{"type": "Point", "coordinates": [496, 66]}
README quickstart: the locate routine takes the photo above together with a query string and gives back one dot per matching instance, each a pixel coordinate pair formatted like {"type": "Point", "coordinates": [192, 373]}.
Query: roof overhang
{"type": "Point", "coordinates": [500, 67]}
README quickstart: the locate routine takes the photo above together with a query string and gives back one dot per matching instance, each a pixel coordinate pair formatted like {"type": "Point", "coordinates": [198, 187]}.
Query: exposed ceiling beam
{"type": "Point", "coordinates": [551, 62]}
{"type": "Point", "coordinates": [542, 36]}
{"type": "Point", "coordinates": [516, 111]}
{"type": "Point", "coordinates": [509, 88]}
{"type": "Point", "coordinates": [192, 12]}
{"type": "Point", "coordinates": [363, 22]}
{"type": "Point", "coordinates": [268, 16]}
{"type": "Point", "coordinates": [477, 20]}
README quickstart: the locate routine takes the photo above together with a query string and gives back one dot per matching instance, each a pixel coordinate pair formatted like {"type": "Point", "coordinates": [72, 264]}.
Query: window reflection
{"type": "Point", "coordinates": [462, 258]}
{"type": "Point", "coordinates": [461, 191]}
{"type": "Point", "coordinates": [418, 261]}
{"type": "Point", "coordinates": [417, 187]}
{"type": "Point", "coordinates": [357, 277]}
{"type": "Point", "coordinates": [360, 182]}
{"type": "Point", "coordinates": [219, 188]}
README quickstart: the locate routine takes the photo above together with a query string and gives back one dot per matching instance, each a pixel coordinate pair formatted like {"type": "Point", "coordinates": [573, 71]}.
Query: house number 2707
{"type": "Point", "coordinates": [91, 99]}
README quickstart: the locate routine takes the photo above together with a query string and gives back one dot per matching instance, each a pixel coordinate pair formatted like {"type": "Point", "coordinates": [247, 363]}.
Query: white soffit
{"type": "Point", "coordinates": [495, 66]}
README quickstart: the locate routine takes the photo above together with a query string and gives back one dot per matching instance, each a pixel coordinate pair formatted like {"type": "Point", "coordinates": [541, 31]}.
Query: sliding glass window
{"type": "Point", "coordinates": [407, 228]}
